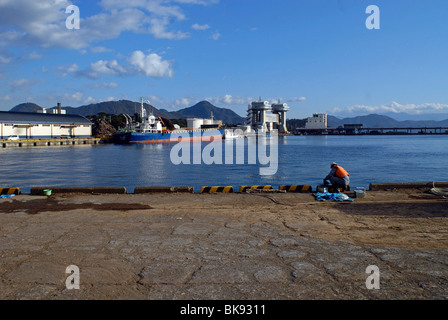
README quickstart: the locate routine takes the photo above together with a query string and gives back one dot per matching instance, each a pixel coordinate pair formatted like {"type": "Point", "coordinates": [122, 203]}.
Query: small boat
{"type": "Point", "coordinates": [158, 130]}
{"type": "Point", "coordinates": [230, 134]}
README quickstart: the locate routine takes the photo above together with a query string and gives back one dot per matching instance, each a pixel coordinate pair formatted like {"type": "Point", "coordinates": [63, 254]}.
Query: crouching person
{"type": "Point", "coordinates": [338, 177]}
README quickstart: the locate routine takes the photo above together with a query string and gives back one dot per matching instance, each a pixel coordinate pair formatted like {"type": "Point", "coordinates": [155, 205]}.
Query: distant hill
{"type": "Point", "coordinates": [118, 107]}
{"type": "Point", "coordinates": [203, 109]}
{"type": "Point", "coordinates": [26, 107]}
{"type": "Point", "coordinates": [333, 122]}
{"type": "Point", "coordinates": [401, 116]}
{"type": "Point", "coordinates": [372, 121]}
{"type": "Point", "coordinates": [382, 121]}
{"type": "Point", "coordinates": [292, 124]}
{"type": "Point", "coordinates": [111, 107]}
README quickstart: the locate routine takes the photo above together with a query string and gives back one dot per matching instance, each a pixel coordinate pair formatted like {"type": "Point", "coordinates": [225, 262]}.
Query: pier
{"type": "Point", "coordinates": [24, 143]}
{"type": "Point", "coordinates": [224, 246]}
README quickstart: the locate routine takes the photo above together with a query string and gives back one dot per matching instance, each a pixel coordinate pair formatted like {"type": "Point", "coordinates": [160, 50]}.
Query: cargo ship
{"type": "Point", "coordinates": [149, 129]}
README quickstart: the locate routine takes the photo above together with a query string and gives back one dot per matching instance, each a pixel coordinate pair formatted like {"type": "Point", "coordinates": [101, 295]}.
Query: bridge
{"type": "Point", "coordinates": [359, 130]}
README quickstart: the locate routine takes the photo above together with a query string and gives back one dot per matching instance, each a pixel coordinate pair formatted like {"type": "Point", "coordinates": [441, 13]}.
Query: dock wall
{"type": "Point", "coordinates": [25, 143]}
{"type": "Point", "coordinates": [216, 189]}
{"type": "Point", "coordinates": [406, 185]}
{"type": "Point", "coordinates": [424, 186]}
{"type": "Point", "coordinates": [87, 190]}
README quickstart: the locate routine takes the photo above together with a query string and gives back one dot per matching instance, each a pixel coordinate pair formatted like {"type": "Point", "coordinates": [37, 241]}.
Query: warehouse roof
{"type": "Point", "coordinates": [45, 118]}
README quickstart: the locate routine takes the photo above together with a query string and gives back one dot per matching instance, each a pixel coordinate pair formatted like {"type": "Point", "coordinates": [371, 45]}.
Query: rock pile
{"type": "Point", "coordinates": [102, 128]}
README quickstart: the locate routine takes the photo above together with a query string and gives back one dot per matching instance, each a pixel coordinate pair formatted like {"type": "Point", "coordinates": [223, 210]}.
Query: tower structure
{"type": "Point", "coordinates": [281, 109]}
{"type": "Point", "coordinates": [264, 117]}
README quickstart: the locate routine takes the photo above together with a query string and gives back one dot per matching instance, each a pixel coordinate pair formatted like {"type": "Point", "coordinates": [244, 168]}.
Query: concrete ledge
{"type": "Point", "coordinates": [87, 190]}
{"type": "Point", "coordinates": [406, 185]}
{"type": "Point", "coordinates": [49, 142]}
{"type": "Point", "coordinates": [142, 190]}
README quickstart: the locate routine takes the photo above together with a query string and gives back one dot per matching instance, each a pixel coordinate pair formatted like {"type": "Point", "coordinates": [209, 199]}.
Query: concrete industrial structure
{"type": "Point", "coordinates": [264, 117]}
{"type": "Point", "coordinates": [317, 121]}
{"type": "Point", "coordinates": [198, 123]}
{"type": "Point", "coordinates": [29, 125]}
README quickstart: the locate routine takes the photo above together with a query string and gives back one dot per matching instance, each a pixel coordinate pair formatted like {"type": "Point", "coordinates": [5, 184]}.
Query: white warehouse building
{"type": "Point", "coordinates": [43, 125]}
{"type": "Point", "coordinates": [317, 121]}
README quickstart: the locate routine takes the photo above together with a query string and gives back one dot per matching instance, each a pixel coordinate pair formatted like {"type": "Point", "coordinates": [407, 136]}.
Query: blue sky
{"type": "Point", "coordinates": [315, 55]}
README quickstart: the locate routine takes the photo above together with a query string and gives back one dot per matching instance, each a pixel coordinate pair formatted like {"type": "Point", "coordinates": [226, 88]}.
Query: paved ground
{"type": "Point", "coordinates": [224, 246]}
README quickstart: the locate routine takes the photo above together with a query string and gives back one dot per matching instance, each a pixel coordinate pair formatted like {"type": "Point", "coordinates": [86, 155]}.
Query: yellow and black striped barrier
{"type": "Point", "coordinates": [297, 188]}
{"type": "Point", "coordinates": [217, 190]}
{"type": "Point", "coordinates": [9, 191]}
{"type": "Point", "coordinates": [247, 188]}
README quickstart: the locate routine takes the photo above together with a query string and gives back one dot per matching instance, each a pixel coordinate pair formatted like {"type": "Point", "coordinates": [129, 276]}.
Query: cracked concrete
{"type": "Point", "coordinates": [223, 246]}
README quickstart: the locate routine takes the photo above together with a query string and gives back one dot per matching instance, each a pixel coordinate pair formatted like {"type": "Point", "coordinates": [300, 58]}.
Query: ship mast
{"type": "Point", "coordinates": [142, 109]}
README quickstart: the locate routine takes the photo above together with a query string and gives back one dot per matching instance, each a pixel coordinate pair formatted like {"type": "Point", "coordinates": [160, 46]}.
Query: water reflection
{"type": "Point", "coordinates": [302, 160]}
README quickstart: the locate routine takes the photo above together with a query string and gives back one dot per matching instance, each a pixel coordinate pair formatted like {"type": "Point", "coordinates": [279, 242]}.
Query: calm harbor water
{"type": "Point", "coordinates": [302, 160]}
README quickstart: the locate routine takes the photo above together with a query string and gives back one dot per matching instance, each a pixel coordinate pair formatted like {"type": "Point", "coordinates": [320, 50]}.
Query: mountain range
{"type": "Point", "coordinates": [205, 109]}
{"type": "Point", "coordinates": [383, 121]}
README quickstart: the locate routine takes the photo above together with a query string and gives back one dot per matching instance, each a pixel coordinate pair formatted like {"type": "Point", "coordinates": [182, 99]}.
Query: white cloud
{"type": "Point", "coordinates": [185, 102]}
{"type": "Point", "coordinates": [150, 65]}
{"type": "Point", "coordinates": [34, 56]}
{"type": "Point", "coordinates": [221, 101]}
{"type": "Point", "coordinates": [230, 100]}
{"type": "Point", "coordinates": [158, 28]}
{"type": "Point", "coordinates": [216, 36]}
{"type": "Point", "coordinates": [77, 96]}
{"type": "Point", "coordinates": [156, 7]}
{"type": "Point", "coordinates": [290, 100]}
{"type": "Point", "coordinates": [109, 85]}
{"type": "Point", "coordinates": [202, 2]}
{"type": "Point", "coordinates": [68, 98]}
{"type": "Point", "coordinates": [4, 59]}
{"type": "Point", "coordinates": [66, 70]}
{"type": "Point", "coordinates": [108, 99]}
{"type": "Point", "coordinates": [42, 23]}
{"type": "Point", "coordinates": [393, 107]}
{"type": "Point", "coordinates": [102, 67]}
{"type": "Point", "coordinates": [5, 98]}
{"type": "Point", "coordinates": [90, 100]}
{"type": "Point", "coordinates": [22, 83]}
{"type": "Point", "coordinates": [200, 27]}
{"type": "Point", "coordinates": [108, 67]}
{"type": "Point", "coordinates": [100, 49]}
{"type": "Point", "coordinates": [25, 22]}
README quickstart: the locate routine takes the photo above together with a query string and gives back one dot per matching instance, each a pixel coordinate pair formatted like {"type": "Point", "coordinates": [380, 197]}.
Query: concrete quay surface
{"type": "Point", "coordinates": [260, 246]}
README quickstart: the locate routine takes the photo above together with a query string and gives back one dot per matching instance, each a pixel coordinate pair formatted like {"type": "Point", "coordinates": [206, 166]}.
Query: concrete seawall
{"type": "Point", "coordinates": [421, 186]}
{"type": "Point", "coordinates": [143, 190]}
{"type": "Point", "coordinates": [25, 143]}
{"type": "Point", "coordinates": [407, 185]}
{"type": "Point", "coordinates": [86, 190]}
